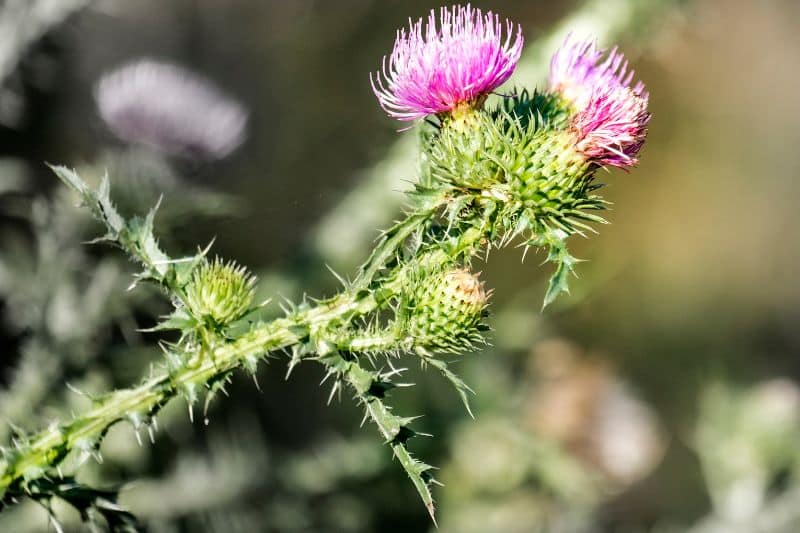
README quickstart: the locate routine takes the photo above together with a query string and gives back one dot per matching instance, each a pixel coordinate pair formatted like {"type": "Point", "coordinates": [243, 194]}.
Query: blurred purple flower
{"type": "Point", "coordinates": [171, 109]}
{"type": "Point", "coordinates": [436, 70]}
{"type": "Point", "coordinates": [610, 116]}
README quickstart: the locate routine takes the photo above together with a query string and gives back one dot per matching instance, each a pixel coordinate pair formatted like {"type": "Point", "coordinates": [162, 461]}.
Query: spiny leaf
{"type": "Point", "coordinates": [391, 427]}
{"type": "Point", "coordinates": [558, 282]}
{"type": "Point", "coordinates": [98, 508]}
{"type": "Point", "coordinates": [99, 202]}
{"type": "Point", "coordinates": [461, 387]}
{"type": "Point", "coordinates": [419, 473]}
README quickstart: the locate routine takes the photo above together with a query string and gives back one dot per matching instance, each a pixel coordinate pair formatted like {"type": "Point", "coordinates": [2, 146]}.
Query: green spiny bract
{"type": "Point", "coordinates": [522, 155]}
{"type": "Point", "coordinates": [442, 310]}
{"type": "Point", "coordinates": [219, 293]}
{"type": "Point", "coordinates": [544, 107]}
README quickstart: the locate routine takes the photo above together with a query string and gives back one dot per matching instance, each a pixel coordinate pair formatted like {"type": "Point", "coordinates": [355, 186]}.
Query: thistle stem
{"type": "Point", "coordinates": [48, 448]}
{"type": "Point", "coordinates": [382, 341]}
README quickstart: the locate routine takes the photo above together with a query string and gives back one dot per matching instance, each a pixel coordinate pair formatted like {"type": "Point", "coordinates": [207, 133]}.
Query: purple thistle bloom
{"type": "Point", "coordinates": [439, 69]}
{"type": "Point", "coordinates": [612, 128]}
{"type": "Point", "coordinates": [168, 108]}
{"type": "Point", "coordinates": [577, 70]}
{"type": "Point", "coordinates": [611, 117]}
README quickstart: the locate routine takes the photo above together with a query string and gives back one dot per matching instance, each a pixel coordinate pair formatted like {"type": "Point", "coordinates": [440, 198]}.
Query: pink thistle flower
{"type": "Point", "coordinates": [612, 128]}
{"type": "Point", "coordinates": [611, 116]}
{"type": "Point", "coordinates": [441, 69]}
{"type": "Point", "coordinates": [578, 69]}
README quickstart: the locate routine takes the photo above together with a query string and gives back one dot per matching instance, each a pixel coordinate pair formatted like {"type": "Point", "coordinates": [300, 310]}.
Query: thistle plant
{"type": "Point", "coordinates": [522, 171]}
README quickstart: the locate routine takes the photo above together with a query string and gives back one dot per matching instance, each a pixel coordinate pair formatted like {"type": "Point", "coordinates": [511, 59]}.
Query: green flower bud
{"type": "Point", "coordinates": [444, 310]}
{"type": "Point", "coordinates": [220, 292]}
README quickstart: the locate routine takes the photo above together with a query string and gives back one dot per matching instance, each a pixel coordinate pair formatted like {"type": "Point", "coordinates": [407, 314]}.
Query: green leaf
{"type": "Point", "coordinates": [419, 473]}
{"type": "Point", "coordinates": [393, 428]}
{"type": "Point", "coordinates": [99, 202]}
{"type": "Point", "coordinates": [461, 387]}
{"type": "Point", "coordinates": [558, 282]}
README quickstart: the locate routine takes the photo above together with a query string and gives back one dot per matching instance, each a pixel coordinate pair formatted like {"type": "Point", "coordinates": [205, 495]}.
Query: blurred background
{"type": "Point", "coordinates": [662, 395]}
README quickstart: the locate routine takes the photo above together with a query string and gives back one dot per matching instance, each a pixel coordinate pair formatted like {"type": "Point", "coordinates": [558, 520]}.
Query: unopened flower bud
{"type": "Point", "coordinates": [445, 310]}
{"type": "Point", "coordinates": [221, 292]}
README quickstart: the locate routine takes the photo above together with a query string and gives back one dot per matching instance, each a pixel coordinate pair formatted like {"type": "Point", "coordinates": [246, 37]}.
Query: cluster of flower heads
{"type": "Point", "coordinates": [453, 65]}
{"type": "Point", "coordinates": [438, 68]}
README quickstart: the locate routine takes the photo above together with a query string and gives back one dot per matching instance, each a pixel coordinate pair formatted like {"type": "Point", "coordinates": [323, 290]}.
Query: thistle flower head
{"type": "Point", "coordinates": [612, 128]}
{"type": "Point", "coordinates": [445, 309]}
{"type": "Point", "coordinates": [578, 69]}
{"type": "Point", "coordinates": [220, 291]}
{"type": "Point", "coordinates": [449, 66]}
{"type": "Point", "coordinates": [611, 116]}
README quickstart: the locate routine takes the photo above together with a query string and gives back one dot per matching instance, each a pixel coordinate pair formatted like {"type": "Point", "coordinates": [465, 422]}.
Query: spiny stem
{"type": "Point", "coordinates": [382, 341]}
{"type": "Point", "coordinates": [50, 447]}
{"type": "Point", "coordinates": [393, 239]}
